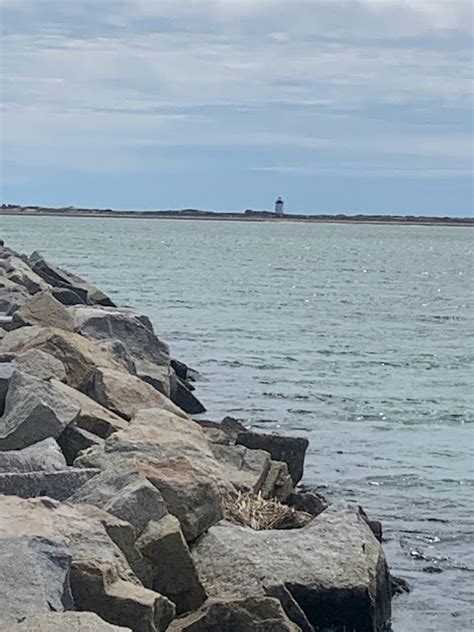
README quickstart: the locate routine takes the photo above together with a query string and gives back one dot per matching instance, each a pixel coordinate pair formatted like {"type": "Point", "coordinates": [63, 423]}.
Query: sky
{"type": "Point", "coordinates": [339, 106]}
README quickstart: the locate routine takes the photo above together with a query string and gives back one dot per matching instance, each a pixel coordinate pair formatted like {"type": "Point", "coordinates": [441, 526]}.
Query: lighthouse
{"type": "Point", "coordinates": [279, 207]}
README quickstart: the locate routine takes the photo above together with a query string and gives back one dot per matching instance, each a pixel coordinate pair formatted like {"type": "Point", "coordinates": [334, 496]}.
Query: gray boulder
{"type": "Point", "coordinates": [66, 296]}
{"type": "Point", "coordinates": [19, 272]}
{"type": "Point", "coordinates": [254, 614]}
{"type": "Point", "coordinates": [43, 456]}
{"type": "Point", "coordinates": [125, 493]}
{"type": "Point", "coordinates": [34, 410]}
{"type": "Point", "coordinates": [34, 577]}
{"type": "Point", "coordinates": [12, 295]}
{"type": "Point", "coordinates": [58, 484]}
{"type": "Point", "coordinates": [6, 372]}
{"type": "Point", "coordinates": [44, 310]}
{"type": "Point", "coordinates": [73, 440]}
{"type": "Point", "coordinates": [37, 363]}
{"type": "Point", "coordinates": [62, 622]}
{"type": "Point", "coordinates": [175, 576]}
{"type": "Point", "coordinates": [151, 355]}
{"type": "Point", "coordinates": [333, 567]}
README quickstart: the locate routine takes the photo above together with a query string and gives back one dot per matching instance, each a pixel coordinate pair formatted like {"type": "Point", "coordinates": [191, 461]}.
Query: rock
{"type": "Point", "coordinates": [92, 416]}
{"type": "Point", "coordinates": [19, 272]}
{"type": "Point", "coordinates": [66, 296]}
{"type": "Point", "coordinates": [180, 369]}
{"type": "Point", "coordinates": [39, 364]}
{"type": "Point", "coordinates": [6, 372]}
{"type": "Point", "coordinates": [78, 355]}
{"type": "Point", "coordinates": [125, 493]}
{"type": "Point", "coordinates": [333, 567]}
{"type": "Point", "coordinates": [184, 398]}
{"type": "Point", "coordinates": [117, 351]}
{"type": "Point", "coordinates": [398, 585]}
{"type": "Point", "coordinates": [59, 278]}
{"type": "Point", "coordinates": [254, 614]}
{"type": "Point", "coordinates": [43, 456]}
{"type": "Point", "coordinates": [58, 484]}
{"type": "Point", "coordinates": [290, 450]}
{"type": "Point", "coordinates": [6, 322]}
{"type": "Point", "coordinates": [34, 410]}
{"type": "Point", "coordinates": [12, 295]}
{"type": "Point", "coordinates": [308, 502]}
{"type": "Point", "coordinates": [150, 355]}
{"type": "Point", "coordinates": [125, 394]}
{"type": "Point", "coordinates": [188, 492]}
{"type": "Point", "coordinates": [101, 579]}
{"type": "Point", "coordinates": [44, 310]}
{"type": "Point", "coordinates": [34, 577]}
{"type": "Point", "coordinates": [73, 440]}
{"type": "Point", "coordinates": [61, 621]}
{"type": "Point", "coordinates": [375, 525]}
{"type": "Point", "coordinates": [175, 576]}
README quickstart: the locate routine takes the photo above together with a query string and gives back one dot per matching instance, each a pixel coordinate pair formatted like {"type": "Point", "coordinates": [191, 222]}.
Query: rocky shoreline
{"type": "Point", "coordinates": [120, 511]}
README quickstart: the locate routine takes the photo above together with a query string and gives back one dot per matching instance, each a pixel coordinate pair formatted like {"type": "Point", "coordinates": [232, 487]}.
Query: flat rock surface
{"type": "Point", "coordinates": [63, 622]}
{"type": "Point", "coordinates": [43, 456]}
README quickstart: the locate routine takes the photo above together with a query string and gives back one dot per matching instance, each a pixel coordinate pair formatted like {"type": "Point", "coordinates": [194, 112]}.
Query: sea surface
{"type": "Point", "coordinates": [359, 337]}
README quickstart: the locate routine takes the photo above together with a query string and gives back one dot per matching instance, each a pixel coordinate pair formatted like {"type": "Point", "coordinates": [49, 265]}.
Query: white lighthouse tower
{"type": "Point", "coordinates": [279, 204]}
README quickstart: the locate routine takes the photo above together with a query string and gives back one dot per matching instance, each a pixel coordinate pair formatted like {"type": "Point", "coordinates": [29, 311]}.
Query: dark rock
{"type": "Point", "coordinates": [43, 456]}
{"type": "Point", "coordinates": [188, 402]}
{"type": "Point", "coordinates": [58, 484]}
{"type": "Point", "coordinates": [308, 502]}
{"type": "Point", "coordinates": [6, 372]}
{"type": "Point", "coordinates": [375, 525]}
{"type": "Point", "coordinates": [34, 577]}
{"type": "Point", "coordinates": [254, 614]}
{"type": "Point", "coordinates": [333, 567]}
{"type": "Point", "coordinates": [432, 569]}
{"type": "Point", "coordinates": [180, 369]}
{"type": "Point", "coordinates": [66, 296]}
{"type": "Point", "coordinates": [398, 585]}
{"type": "Point", "coordinates": [73, 440]}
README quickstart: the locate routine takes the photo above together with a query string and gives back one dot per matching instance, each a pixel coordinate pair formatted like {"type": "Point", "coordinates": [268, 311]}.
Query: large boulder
{"type": "Point", "coordinates": [183, 397]}
{"type": "Point", "coordinates": [74, 440]}
{"type": "Point", "coordinates": [92, 416]}
{"type": "Point", "coordinates": [334, 568]}
{"type": "Point", "coordinates": [34, 410]}
{"type": "Point", "coordinates": [151, 355]}
{"type": "Point", "coordinates": [101, 579]}
{"type": "Point", "coordinates": [17, 271]}
{"type": "Point", "coordinates": [78, 355]}
{"type": "Point", "coordinates": [62, 622]}
{"type": "Point", "coordinates": [34, 577]}
{"type": "Point", "coordinates": [254, 614]}
{"type": "Point", "coordinates": [60, 278]}
{"type": "Point", "coordinates": [43, 456]}
{"type": "Point", "coordinates": [57, 484]}
{"type": "Point", "coordinates": [12, 295]}
{"type": "Point", "coordinates": [44, 310]}
{"type": "Point", "coordinates": [37, 363]}
{"type": "Point", "coordinates": [125, 394]}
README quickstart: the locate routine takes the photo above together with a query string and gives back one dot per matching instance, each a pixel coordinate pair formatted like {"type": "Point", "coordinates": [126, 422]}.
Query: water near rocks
{"type": "Point", "coordinates": [359, 337]}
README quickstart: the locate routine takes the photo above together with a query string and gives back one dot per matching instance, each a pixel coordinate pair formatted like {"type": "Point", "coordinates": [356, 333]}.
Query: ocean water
{"type": "Point", "coordinates": [359, 337]}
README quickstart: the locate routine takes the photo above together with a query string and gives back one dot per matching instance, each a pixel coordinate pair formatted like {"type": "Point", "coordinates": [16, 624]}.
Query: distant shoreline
{"type": "Point", "coordinates": [249, 216]}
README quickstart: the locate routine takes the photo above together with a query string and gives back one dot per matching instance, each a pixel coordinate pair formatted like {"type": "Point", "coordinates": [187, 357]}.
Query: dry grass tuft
{"type": "Point", "coordinates": [254, 511]}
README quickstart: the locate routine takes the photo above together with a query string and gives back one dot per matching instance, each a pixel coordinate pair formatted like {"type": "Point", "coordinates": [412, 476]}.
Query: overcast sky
{"type": "Point", "coordinates": [337, 105]}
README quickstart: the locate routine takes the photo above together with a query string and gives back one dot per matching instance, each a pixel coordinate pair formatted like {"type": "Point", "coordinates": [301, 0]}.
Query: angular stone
{"type": "Point", "coordinates": [6, 372]}
{"type": "Point", "coordinates": [12, 295]}
{"type": "Point", "coordinates": [246, 469]}
{"type": "Point", "coordinates": [73, 440]}
{"type": "Point", "coordinates": [92, 416]}
{"type": "Point", "coordinates": [101, 579]}
{"type": "Point", "coordinates": [254, 614]}
{"type": "Point", "coordinates": [66, 296]}
{"type": "Point", "coordinates": [44, 310]}
{"type": "Point", "coordinates": [34, 577]}
{"type": "Point", "coordinates": [59, 484]}
{"type": "Point", "coordinates": [20, 272]}
{"type": "Point", "coordinates": [43, 456]}
{"type": "Point", "coordinates": [278, 483]}
{"type": "Point", "coordinates": [125, 493]}
{"type": "Point", "coordinates": [78, 355]}
{"type": "Point", "coordinates": [125, 394]}
{"type": "Point", "coordinates": [290, 450]}
{"type": "Point", "coordinates": [34, 410]}
{"type": "Point", "coordinates": [151, 356]}
{"type": "Point", "coordinates": [175, 576]}
{"type": "Point", "coordinates": [184, 398]}
{"type": "Point", "coordinates": [40, 364]}
{"type": "Point", "coordinates": [62, 622]}
{"type": "Point", "coordinates": [333, 567]}
{"type": "Point", "coordinates": [308, 502]}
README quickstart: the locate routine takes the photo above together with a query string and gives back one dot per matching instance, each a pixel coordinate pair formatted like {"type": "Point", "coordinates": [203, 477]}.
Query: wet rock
{"type": "Point", "coordinates": [34, 410]}
{"type": "Point", "coordinates": [101, 579]}
{"type": "Point", "coordinates": [63, 621]}
{"type": "Point", "coordinates": [254, 614]}
{"type": "Point", "coordinates": [78, 355]}
{"type": "Point", "coordinates": [125, 394]}
{"type": "Point", "coordinates": [125, 493]}
{"type": "Point", "coordinates": [60, 278]}
{"type": "Point", "coordinates": [290, 450]}
{"type": "Point", "coordinates": [150, 355]}
{"type": "Point", "coordinates": [73, 440]}
{"type": "Point", "coordinates": [43, 456]}
{"type": "Point", "coordinates": [58, 484]}
{"type": "Point", "coordinates": [184, 398]}
{"type": "Point", "coordinates": [175, 576]}
{"type": "Point", "coordinates": [44, 310]}
{"type": "Point", "coordinates": [333, 567]}
{"type": "Point", "coordinates": [34, 577]}
{"type": "Point", "coordinates": [398, 585]}
{"type": "Point", "coordinates": [309, 502]}
{"type": "Point", "coordinates": [92, 416]}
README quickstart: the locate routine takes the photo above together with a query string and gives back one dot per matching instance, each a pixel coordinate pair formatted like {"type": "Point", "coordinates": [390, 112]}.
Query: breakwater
{"type": "Point", "coordinates": [141, 515]}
